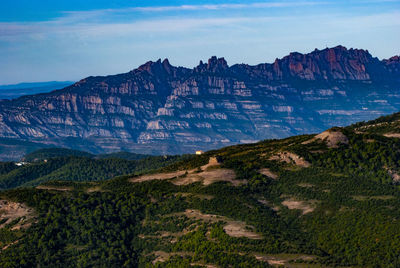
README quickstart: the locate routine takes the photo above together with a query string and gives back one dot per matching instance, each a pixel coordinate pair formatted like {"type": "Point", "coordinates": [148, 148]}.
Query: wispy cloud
{"type": "Point", "coordinates": [106, 29]}
{"type": "Point", "coordinates": [207, 7]}
{"type": "Point", "coordinates": [61, 26]}
{"type": "Point", "coordinates": [228, 6]}
{"type": "Point", "coordinates": [72, 21]}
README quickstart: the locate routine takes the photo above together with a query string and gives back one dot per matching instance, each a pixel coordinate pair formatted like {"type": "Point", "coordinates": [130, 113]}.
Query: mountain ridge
{"type": "Point", "coordinates": [166, 109]}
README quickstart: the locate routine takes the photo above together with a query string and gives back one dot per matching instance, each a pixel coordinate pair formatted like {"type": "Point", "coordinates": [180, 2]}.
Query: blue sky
{"type": "Point", "coordinates": [44, 40]}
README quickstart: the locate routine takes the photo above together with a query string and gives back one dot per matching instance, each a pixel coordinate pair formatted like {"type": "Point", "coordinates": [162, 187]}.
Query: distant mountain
{"type": "Point", "coordinates": [18, 90]}
{"type": "Point", "coordinates": [158, 108]}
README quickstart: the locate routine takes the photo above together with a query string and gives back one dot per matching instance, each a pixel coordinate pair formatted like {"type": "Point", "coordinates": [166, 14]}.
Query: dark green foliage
{"type": "Point", "coordinates": [123, 155]}
{"type": "Point", "coordinates": [81, 231]}
{"type": "Point", "coordinates": [78, 169]}
{"type": "Point", "coordinates": [47, 153]}
{"type": "Point", "coordinates": [188, 162]}
{"type": "Point", "coordinates": [382, 125]}
{"type": "Point", "coordinates": [353, 216]}
{"type": "Point", "coordinates": [30, 172]}
{"type": "Point", "coordinates": [6, 167]}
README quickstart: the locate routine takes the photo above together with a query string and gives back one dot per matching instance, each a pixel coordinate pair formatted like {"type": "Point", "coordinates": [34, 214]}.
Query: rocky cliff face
{"type": "Point", "coordinates": [159, 108]}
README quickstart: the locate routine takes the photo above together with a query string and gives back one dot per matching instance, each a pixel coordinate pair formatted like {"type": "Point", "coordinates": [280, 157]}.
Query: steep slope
{"type": "Point", "coordinates": [159, 108]}
{"type": "Point", "coordinates": [266, 208]}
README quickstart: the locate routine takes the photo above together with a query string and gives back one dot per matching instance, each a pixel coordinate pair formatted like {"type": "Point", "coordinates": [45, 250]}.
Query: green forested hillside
{"type": "Point", "coordinates": [76, 168]}
{"type": "Point", "coordinates": [47, 153]}
{"type": "Point", "coordinates": [326, 201]}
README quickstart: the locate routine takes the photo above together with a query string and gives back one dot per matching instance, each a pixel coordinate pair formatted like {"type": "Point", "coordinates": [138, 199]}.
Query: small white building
{"type": "Point", "coordinates": [199, 152]}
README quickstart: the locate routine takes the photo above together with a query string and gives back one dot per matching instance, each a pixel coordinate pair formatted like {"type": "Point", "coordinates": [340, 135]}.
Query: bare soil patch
{"type": "Point", "coordinates": [173, 236]}
{"type": "Point", "coordinates": [394, 175]}
{"type": "Point", "coordinates": [305, 185]}
{"type": "Point", "coordinates": [332, 138]}
{"type": "Point", "coordinates": [374, 197]}
{"type": "Point", "coordinates": [392, 135]}
{"type": "Point", "coordinates": [267, 172]}
{"type": "Point", "coordinates": [204, 265]}
{"type": "Point", "coordinates": [162, 256]}
{"type": "Point", "coordinates": [282, 259]}
{"type": "Point", "coordinates": [232, 228]}
{"type": "Point", "coordinates": [290, 158]}
{"type": "Point", "coordinates": [9, 245]}
{"type": "Point", "coordinates": [210, 176]}
{"type": "Point", "coordinates": [212, 162]}
{"type": "Point", "coordinates": [240, 229]}
{"type": "Point", "coordinates": [158, 176]}
{"type": "Point", "coordinates": [268, 204]}
{"type": "Point", "coordinates": [54, 188]}
{"type": "Point", "coordinates": [94, 189]}
{"type": "Point", "coordinates": [12, 211]}
{"type": "Point", "coordinates": [196, 214]}
{"type": "Point", "coordinates": [200, 196]}
{"type": "Point", "coordinates": [206, 174]}
{"type": "Point", "coordinates": [305, 206]}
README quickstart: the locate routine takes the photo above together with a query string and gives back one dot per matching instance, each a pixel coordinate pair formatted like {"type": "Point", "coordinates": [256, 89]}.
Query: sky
{"type": "Point", "coordinates": [47, 40]}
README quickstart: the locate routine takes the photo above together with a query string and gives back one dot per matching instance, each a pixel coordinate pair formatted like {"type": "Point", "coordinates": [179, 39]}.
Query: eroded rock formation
{"type": "Point", "coordinates": [159, 108]}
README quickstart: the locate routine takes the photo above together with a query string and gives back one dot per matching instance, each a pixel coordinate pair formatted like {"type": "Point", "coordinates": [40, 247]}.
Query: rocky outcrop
{"type": "Point", "coordinates": [160, 108]}
{"type": "Point", "coordinates": [333, 138]}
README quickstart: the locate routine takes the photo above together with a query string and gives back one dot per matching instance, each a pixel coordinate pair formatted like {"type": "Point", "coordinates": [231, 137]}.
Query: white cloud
{"type": "Point", "coordinates": [226, 6]}
{"type": "Point", "coordinates": [197, 7]}
{"type": "Point", "coordinates": [13, 31]}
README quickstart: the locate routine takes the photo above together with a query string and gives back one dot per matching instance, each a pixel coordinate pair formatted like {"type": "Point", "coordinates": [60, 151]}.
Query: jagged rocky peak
{"type": "Point", "coordinates": [214, 104]}
{"type": "Point", "coordinates": [156, 68]}
{"type": "Point", "coordinates": [336, 63]}
{"type": "Point", "coordinates": [166, 65]}
{"type": "Point", "coordinates": [214, 65]}
{"type": "Point", "coordinates": [393, 61]}
{"type": "Point", "coordinates": [341, 53]}
{"type": "Point", "coordinates": [334, 54]}
{"type": "Point", "coordinates": [393, 66]}
{"type": "Point", "coordinates": [217, 63]}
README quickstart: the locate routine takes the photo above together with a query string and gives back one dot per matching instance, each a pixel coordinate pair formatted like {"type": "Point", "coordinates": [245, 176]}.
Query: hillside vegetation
{"type": "Point", "coordinates": [47, 153]}
{"type": "Point", "coordinates": [306, 201]}
{"type": "Point", "coordinates": [71, 165]}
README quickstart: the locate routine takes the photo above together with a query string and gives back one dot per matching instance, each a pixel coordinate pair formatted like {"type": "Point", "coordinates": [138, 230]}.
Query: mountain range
{"type": "Point", "coordinates": [159, 108]}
